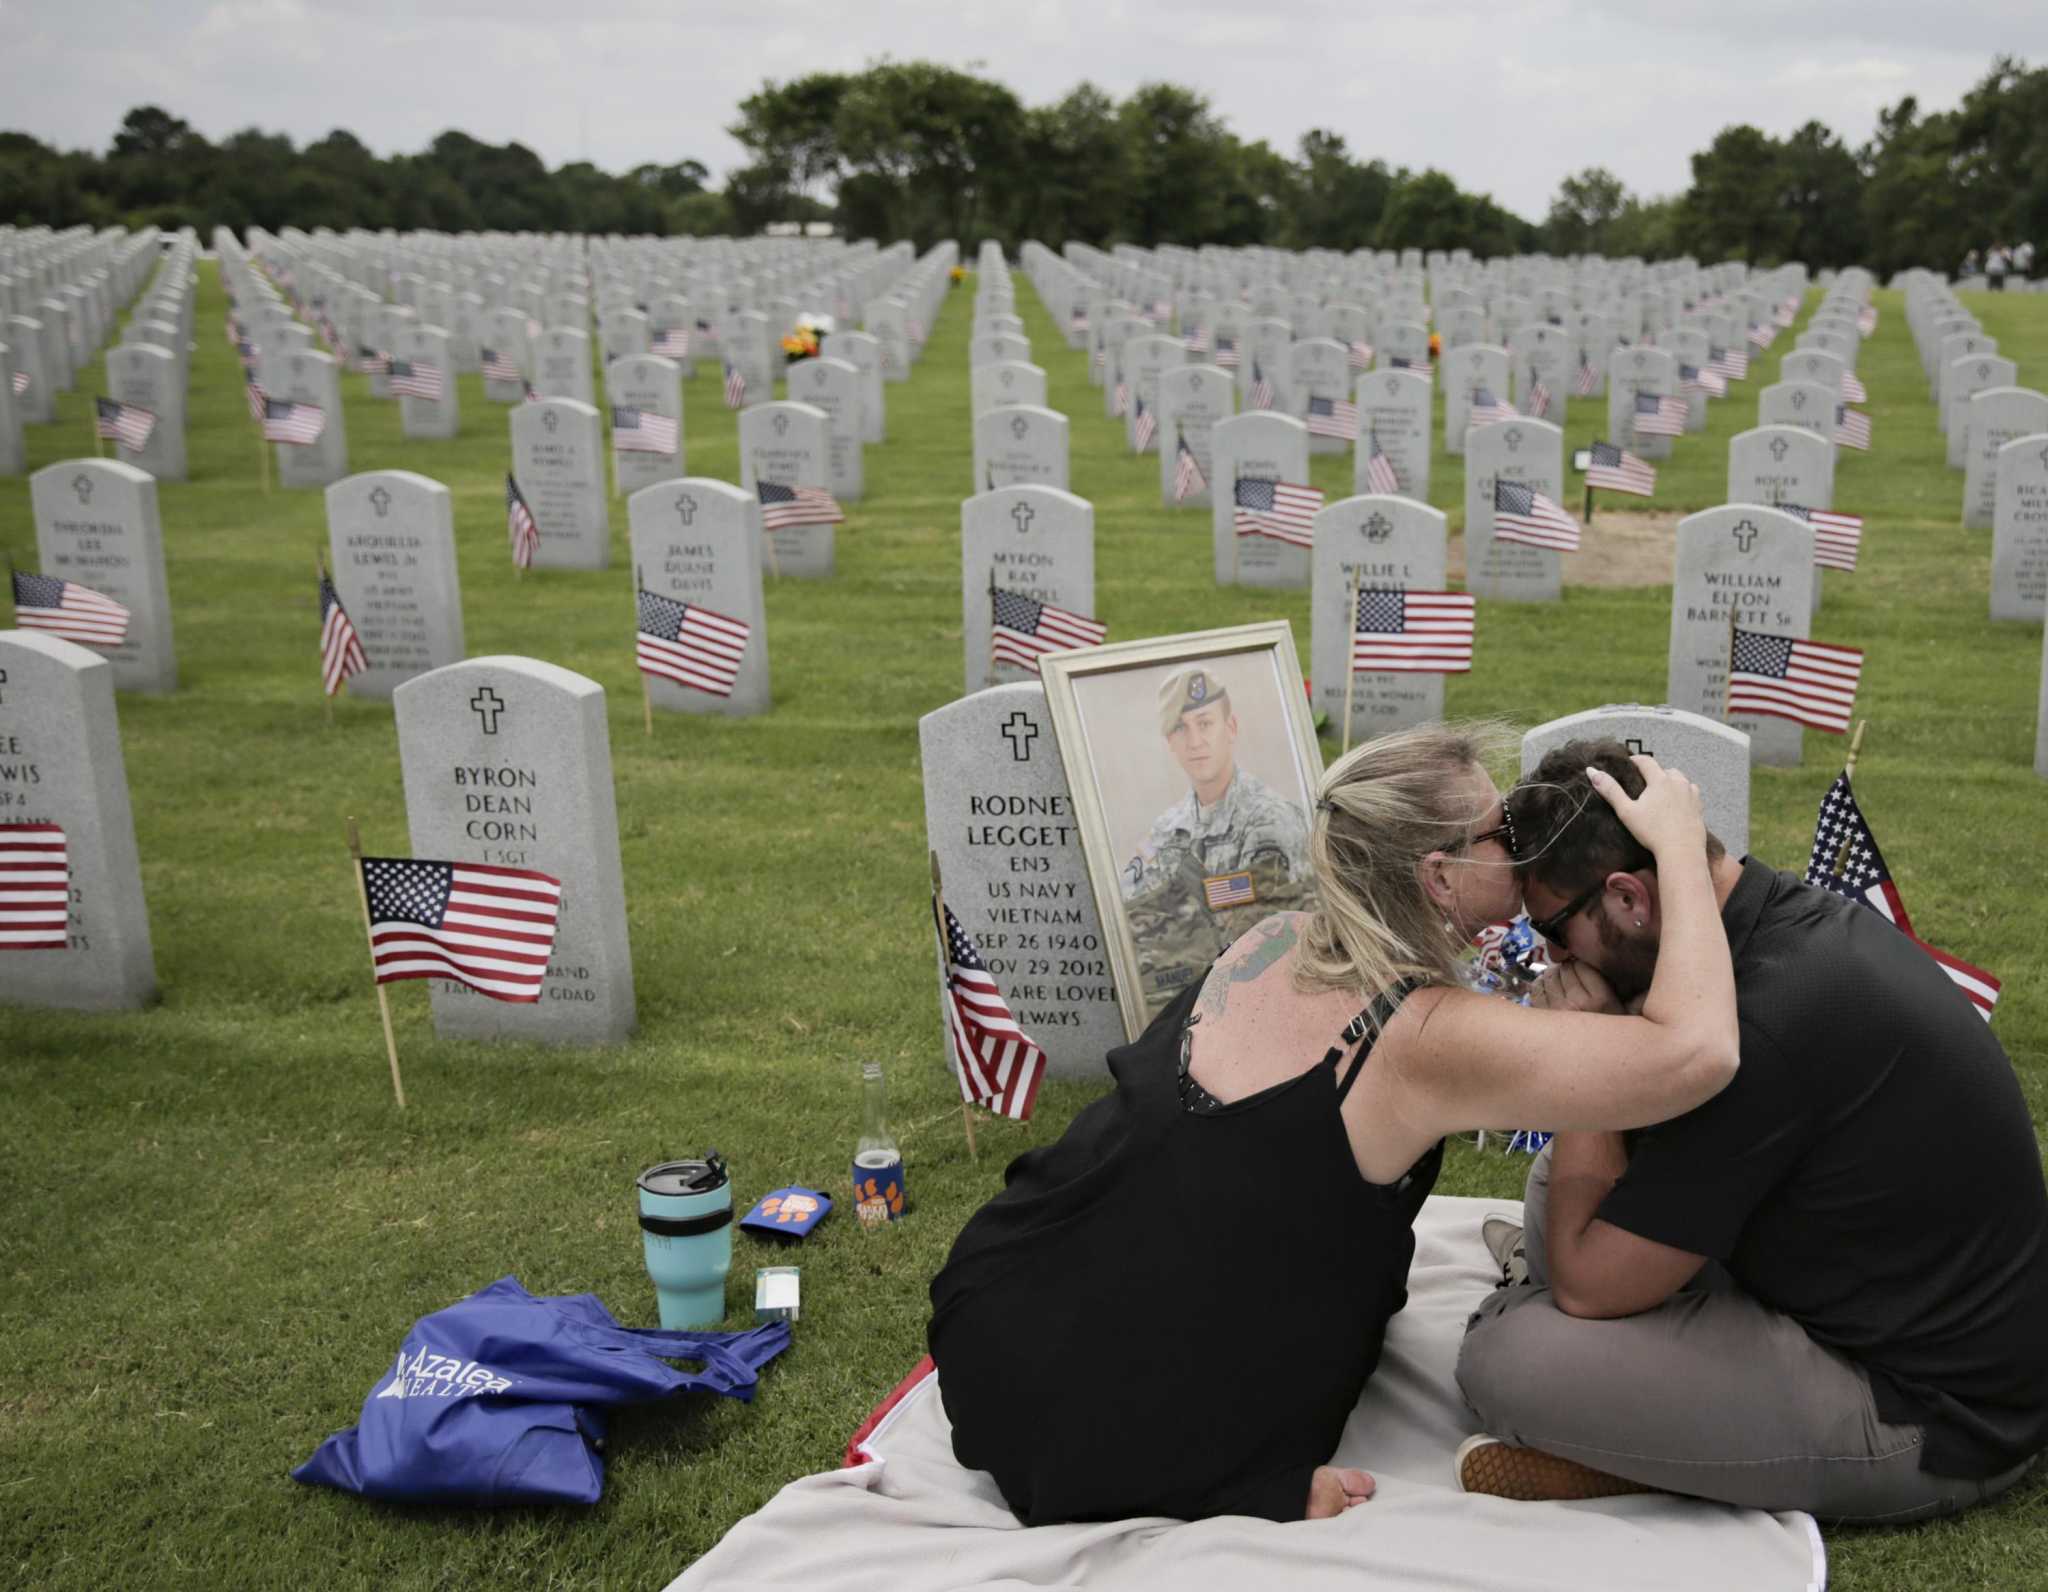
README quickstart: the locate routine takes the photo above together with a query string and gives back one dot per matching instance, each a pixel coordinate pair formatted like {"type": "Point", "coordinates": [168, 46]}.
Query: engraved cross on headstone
{"type": "Point", "coordinates": [1020, 732]}
{"type": "Point", "coordinates": [1018, 427]}
{"type": "Point", "coordinates": [82, 485]}
{"type": "Point", "coordinates": [487, 705]}
{"type": "Point", "coordinates": [1636, 748]}
{"type": "Point", "coordinates": [686, 507]}
{"type": "Point", "coordinates": [781, 425]}
{"type": "Point", "coordinates": [380, 500]}
{"type": "Point", "coordinates": [1745, 534]}
{"type": "Point", "coordinates": [1778, 448]}
{"type": "Point", "coordinates": [1023, 514]}
{"type": "Point", "coordinates": [549, 420]}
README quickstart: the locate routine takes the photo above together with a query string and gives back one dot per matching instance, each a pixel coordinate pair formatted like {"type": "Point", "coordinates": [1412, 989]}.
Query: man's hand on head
{"type": "Point", "coordinates": [1574, 987]}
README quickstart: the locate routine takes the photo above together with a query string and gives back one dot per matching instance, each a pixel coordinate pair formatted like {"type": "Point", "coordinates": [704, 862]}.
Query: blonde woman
{"type": "Point", "coordinates": [1173, 1309]}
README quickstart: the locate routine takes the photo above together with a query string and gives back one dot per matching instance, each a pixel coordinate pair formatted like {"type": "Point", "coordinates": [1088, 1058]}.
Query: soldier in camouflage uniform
{"type": "Point", "coordinates": [1225, 856]}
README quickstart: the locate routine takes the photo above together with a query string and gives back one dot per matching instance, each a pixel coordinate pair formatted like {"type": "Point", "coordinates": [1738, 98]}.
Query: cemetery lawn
{"type": "Point", "coordinates": [219, 1227]}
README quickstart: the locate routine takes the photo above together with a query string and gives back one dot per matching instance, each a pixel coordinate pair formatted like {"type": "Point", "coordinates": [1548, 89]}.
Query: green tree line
{"type": "Point", "coordinates": [922, 151]}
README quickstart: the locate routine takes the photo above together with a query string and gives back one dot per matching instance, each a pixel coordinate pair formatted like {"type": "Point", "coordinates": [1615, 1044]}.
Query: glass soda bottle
{"type": "Point", "coordinates": [877, 1162]}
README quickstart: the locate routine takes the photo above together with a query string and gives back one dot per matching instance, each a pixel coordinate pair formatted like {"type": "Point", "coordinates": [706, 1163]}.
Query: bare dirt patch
{"type": "Point", "coordinates": [1617, 549]}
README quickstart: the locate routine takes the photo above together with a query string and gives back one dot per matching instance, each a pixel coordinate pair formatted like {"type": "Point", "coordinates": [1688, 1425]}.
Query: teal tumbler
{"type": "Point", "coordinates": [686, 1233]}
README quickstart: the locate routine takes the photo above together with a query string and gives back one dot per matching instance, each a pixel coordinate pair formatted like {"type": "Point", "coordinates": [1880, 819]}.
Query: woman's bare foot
{"type": "Point", "coordinates": [1332, 1491]}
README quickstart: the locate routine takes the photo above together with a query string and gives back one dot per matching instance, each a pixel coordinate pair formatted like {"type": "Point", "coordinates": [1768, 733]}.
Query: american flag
{"type": "Point", "coordinates": [1280, 510]}
{"type": "Point", "coordinates": [1783, 677]}
{"type": "Point", "coordinates": [1419, 366]}
{"type": "Point", "coordinates": [246, 353]}
{"type": "Point", "coordinates": [1760, 336]}
{"type": "Point", "coordinates": [68, 610]}
{"type": "Point", "coordinates": [1730, 364]}
{"type": "Point", "coordinates": [1616, 470]}
{"type": "Point", "coordinates": [127, 424]}
{"type": "Point", "coordinates": [1332, 417]}
{"type": "Point", "coordinates": [35, 888]}
{"type": "Point", "coordinates": [1226, 352]}
{"type": "Point", "coordinates": [643, 431]}
{"type": "Point", "coordinates": [296, 424]}
{"type": "Point", "coordinates": [497, 366]}
{"type": "Point", "coordinates": [1380, 474]}
{"type": "Point", "coordinates": [1122, 399]}
{"type": "Point", "coordinates": [1836, 537]}
{"type": "Point", "coordinates": [1522, 514]}
{"type": "Point", "coordinates": [1101, 356]}
{"type": "Point", "coordinates": [416, 378]}
{"type": "Point", "coordinates": [371, 361]}
{"type": "Point", "coordinates": [785, 507]}
{"type": "Point", "coordinates": [1360, 354]}
{"type": "Point", "coordinates": [1852, 428]}
{"type": "Point", "coordinates": [341, 650]}
{"type": "Point", "coordinates": [1412, 632]}
{"type": "Point", "coordinates": [20, 382]}
{"type": "Point", "coordinates": [1021, 628]}
{"type": "Point", "coordinates": [252, 389]}
{"type": "Point", "coordinates": [520, 524]}
{"type": "Point", "coordinates": [1587, 380]}
{"type": "Point", "coordinates": [1786, 312]}
{"type": "Point", "coordinates": [1261, 394]}
{"type": "Point", "coordinates": [1866, 319]}
{"type": "Point", "coordinates": [1697, 379]}
{"type": "Point", "coordinates": [1187, 472]}
{"type": "Point", "coordinates": [671, 342]}
{"type": "Point", "coordinates": [998, 1063]}
{"type": "Point", "coordinates": [1536, 401]}
{"type": "Point", "coordinates": [1845, 860]}
{"type": "Point", "coordinates": [1079, 318]}
{"type": "Point", "coordinates": [489, 928]}
{"type": "Point", "coordinates": [1486, 408]}
{"type": "Point", "coordinates": [916, 330]}
{"type": "Point", "coordinates": [735, 386]}
{"type": "Point", "coordinates": [690, 644]}
{"type": "Point", "coordinates": [529, 394]}
{"type": "Point", "coordinates": [1144, 424]}
{"type": "Point", "coordinates": [1658, 415]}
{"type": "Point", "coordinates": [1853, 390]}
{"type": "Point", "coordinates": [1198, 340]}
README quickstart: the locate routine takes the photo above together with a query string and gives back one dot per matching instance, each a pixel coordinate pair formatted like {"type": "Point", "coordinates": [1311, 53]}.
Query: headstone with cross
{"type": "Point", "coordinates": [1147, 358]}
{"type": "Point", "coordinates": [1388, 544]}
{"type": "Point", "coordinates": [698, 541]}
{"type": "Point", "coordinates": [651, 385]}
{"type": "Point", "coordinates": [1996, 416]}
{"type": "Point", "coordinates": [1631, 371]}
{"type": "Point", "coordinates": [1967, 341]}
{"type": "Point", "coordinates": [887, 321]}
{"type": "Point", "coordinates": [787, 444]}
{"type": "Point", "coordinates": [149, 377]}
{"type": "Point", "coordinates": [1753, 566]}
{"type": "Point", "coordinates": [1967, 377]}
{"type": "Point", "coordinates": [1036, 542]}
{"type": "Point", "coordinates": [1463, 370]}
{"type": "Point", "coordinates": [558, 461]}
{"type": "Point", "coordinates": [988, 348]}
{"type": "Point", "coordinates": [64, 804]}
{"type": "Point", "coordinates": [13, 446]}
{"type": "Point", "coordinates": [1020, 445]}
{"type": "Point", "coordinates": [427, 347]}
{"type": "Point", "coordinates": [1256, 445]}
{"type": "Point", "coordinates": [1394, 410]}
{"type": "Point", "coordinates": [2019, 531]}
{"type": "Point", "coordinates": [1805, 405]}
{"type": "Point", "coordinates": [1192, 399]}
{"type": "Point", "coordinates": [1715, 756]}
{"type": "Point", "coordinates": [998, 814]}
{"type": "Point", "coordinates": [507, 762]}
{"type": "Point", "coordinates": [309, 377]}
{"type": "Point", "coordinates": [1529, 453]}
{"type": "Point", "coordinates": [864, 353]}
{"type": "Point", "coordinates": [834, 385]}
{"type": "Point", "coordinates": [1783, 464]}
{"type": "Point", "coordinates": [97, 524]}
{"type": "Point", "coordinates": [391, 550]}
{"type": "Point", "coordinates": [561, 364]}
{"type": "Point", "coordinates": [1008, 381]}
{"type": "Point", "coordinates": [505, 334]}
{"type": "Point", "coordinates": [1317, 367]}
{"type": "Point", "coordinates": [38, 400]}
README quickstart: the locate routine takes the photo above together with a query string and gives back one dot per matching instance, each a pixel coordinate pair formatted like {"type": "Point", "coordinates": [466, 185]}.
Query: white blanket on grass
{"type": "Point", "coordinates": [913, 1520]}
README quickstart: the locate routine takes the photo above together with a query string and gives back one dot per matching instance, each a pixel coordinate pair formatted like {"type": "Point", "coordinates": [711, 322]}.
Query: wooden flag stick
{"type": "Point", "coordinates": [1855, 749]}
{"type": "Point", "coordinates": [326, 701]}
{"type": "Point", "coordinates": [1586, 517]}
{"type": "Point", "coordinates": [939, 920]}
{"type": "Point", "coordinates": [263, 452]}
{"type": "Point", "coordinates": [1350, 663]}
{"type": "Point", "coordinates": [1728, 684]}
{"type": "Point", "coordinates": [646, 691]}
{"type": "Point", "coordinates": [355, 850]}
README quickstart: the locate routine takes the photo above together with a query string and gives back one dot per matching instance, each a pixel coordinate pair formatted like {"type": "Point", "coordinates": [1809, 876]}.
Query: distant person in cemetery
{"type": "Point", "coordinates": [2023, 260]}
{"type": "Point", "coordinates": [1225, 856]}
{"type": "Point", "coordinates": [1824, 1289]}
{"type": "Point", "coordinates": [1996, 263]}
{"type": "Point", "coordinates": [1173, 1309]}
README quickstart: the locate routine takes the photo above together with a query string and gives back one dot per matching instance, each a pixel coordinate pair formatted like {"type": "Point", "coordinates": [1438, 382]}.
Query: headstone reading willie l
{"type": "Point", "coordinates": [1386, 544]}
{"type": "Point", "coordinates": [998, 814]}
{"type": "Point", "coordinates": [507, 761]}
{"type": "Point", "coordinates": [64, 810]}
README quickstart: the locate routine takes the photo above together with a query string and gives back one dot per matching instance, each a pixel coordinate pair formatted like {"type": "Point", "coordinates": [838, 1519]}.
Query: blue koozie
{"type": "Point", "coordinates": [686, 1231]}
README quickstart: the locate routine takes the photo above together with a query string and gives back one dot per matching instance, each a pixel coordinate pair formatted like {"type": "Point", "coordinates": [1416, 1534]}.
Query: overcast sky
{"type": "Point", "coordinates": [1506, 95]}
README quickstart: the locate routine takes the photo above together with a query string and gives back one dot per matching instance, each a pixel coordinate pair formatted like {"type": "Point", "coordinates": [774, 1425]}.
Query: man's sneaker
{"type": "Point", "coordinates": [1500, 1470]}
{"type": "Point", "coordinates": [1502, 1236]}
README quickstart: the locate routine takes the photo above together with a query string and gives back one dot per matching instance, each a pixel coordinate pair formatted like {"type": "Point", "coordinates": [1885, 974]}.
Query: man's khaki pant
{"type": "Point", "coordinates": [1710, 1393]}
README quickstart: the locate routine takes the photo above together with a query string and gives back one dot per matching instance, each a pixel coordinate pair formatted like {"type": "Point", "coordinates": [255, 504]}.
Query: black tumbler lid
{"type": "Point", "coordinates": [686, 1177]}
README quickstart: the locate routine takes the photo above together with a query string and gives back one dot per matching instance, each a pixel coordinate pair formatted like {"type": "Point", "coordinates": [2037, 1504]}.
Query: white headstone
{"type": "Point", "coordinates": [310, 378]}
{"type": "Point", "coordinates": [1037, 541]}
{"type": "Point", "coordinates": [150, 378]}
{"type": "Point", "coordinates": [785, 444]}
{"type": "Point", "coordinates": [1394, 410]}
{"type": "Point", "coordinates": [834, 385]}
{"type": "Point", "coordinates": [426, 347]}
{"type": "Point", "coordinates": [1388, 544]}
{"type": "Point", "coordinates": [643, 385]}
{"type": "Point", "coordinates": [558, 461]}
{"type": "Point", "coordinates": [1738, 564]}
{"type": "Point", "coordinates": [1192, 399]}
{"type": "Point", "coordinates": [391, 545]}
{"type": "Point", "coordinates": [699, 541]}
{"type": "Point", "coordinates": [561, 358]}
{"type": "Point", "coordinates": [1255, 446]}
{"type": "Point", "coordinates": [1020, 445]}
{"type": "Point", "coordinates": [1996, 416]}
{"type": "Point", "coordinates": [1530, 453]}
{"type": "Point", "coordinates": [1715, 756]}
{"type": "Point", "coordinates": [2019, 533]}
{"type": "Point", "coordinates": [96, 524]}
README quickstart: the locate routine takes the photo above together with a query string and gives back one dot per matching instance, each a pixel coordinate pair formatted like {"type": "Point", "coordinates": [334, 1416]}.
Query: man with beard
{"type": "Point", "coordinates": [1824, 1289]}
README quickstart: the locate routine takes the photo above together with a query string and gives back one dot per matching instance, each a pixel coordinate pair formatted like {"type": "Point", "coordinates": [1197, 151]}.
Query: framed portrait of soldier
{"type": "Point", "coordinates": [1193, 762]}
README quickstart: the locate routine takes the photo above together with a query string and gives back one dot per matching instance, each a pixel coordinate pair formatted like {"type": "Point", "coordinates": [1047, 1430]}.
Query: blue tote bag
{"type": "Point", "coordinates": [500, 1398]}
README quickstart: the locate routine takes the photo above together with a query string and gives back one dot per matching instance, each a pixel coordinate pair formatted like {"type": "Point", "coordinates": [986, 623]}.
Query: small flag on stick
{"type": "Point", "coordinates": [1187, 472]}
{"type": "Point", "coordinates": [126, 424]}
{"type": "Point", "coordinates": [1022, 629]}
{"type": "Point", "coordinates": [488, 928]}
{"type": "Point", "coordinates": [1615, 469]}
{"type": "Point", "coordinates": [35, 888]}
{"type": "Point", "coordinates": [1281, 510]}
{"type": "Point", "coordinates": [643, 431]}
{"type": "Point", "coordinates": [294, 424]}
{"type": "Point", "coordinates": [787, 507]}
{"type": "Point", "coordinates": [1522, 514]}
{"type": "Point", "coordinates": [1784, 677]}
{"type": "Point", "coordinates": [69, 611]}
{"type": "Point", "coordinates": [341, 649]}
{"type": "Point", "coordinates": [998, 1064]}
{"type": "Point", "coordinates": [1412, 632]}
{"type": "Point", "coordinates": [521, 526]}
{"type": "Point", "coordinates": [690, 644]}
{"type": "Point", "coordinates": [1836, 537]}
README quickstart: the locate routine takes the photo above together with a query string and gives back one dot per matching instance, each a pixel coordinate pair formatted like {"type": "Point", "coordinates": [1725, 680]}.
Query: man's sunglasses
{"type": "Point", "coordinates": [1552, 927]}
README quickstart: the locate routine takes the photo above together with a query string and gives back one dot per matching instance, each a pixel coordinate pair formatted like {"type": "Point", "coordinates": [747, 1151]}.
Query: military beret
{"type": "Point", "coordinates": [1184, 690]}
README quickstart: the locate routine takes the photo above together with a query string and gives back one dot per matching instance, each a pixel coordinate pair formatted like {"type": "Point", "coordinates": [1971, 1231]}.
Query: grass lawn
{"type": "Point", "coordinates": [219, 1227]}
